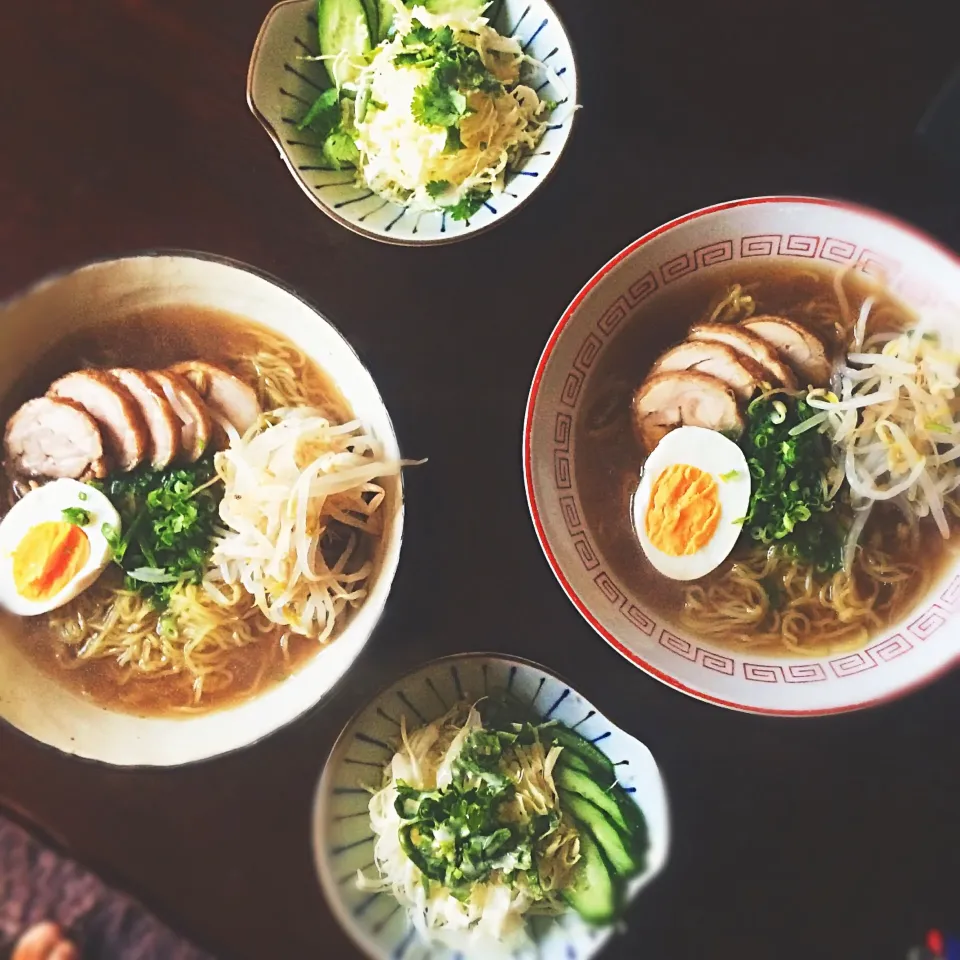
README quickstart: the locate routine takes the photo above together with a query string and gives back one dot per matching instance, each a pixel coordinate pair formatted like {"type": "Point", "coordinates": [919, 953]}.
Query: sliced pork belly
{"type": "Point", "coordinates": [738, 371]}
{"type": "Point", "coordinates": [162, 422]}
{"type": "Point", "coordinates": [118, 415]}
{"type": "Point", "coordinates": [196, 424]}
{"type": "Point", "coordinates": [666, 401]}
{"type": "Point", "coordinates": [227, 396]}
{"type": "Point", "coordinates": [802, 349]}
{"type": "Point", "coordinates": [54, 438]}
{"type": "Point", "coordinates": [750, 345]}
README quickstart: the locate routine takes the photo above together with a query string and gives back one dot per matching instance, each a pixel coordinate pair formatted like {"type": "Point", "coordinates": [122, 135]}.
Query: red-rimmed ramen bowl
{"type": "Point", "coordinates": [840, 297]}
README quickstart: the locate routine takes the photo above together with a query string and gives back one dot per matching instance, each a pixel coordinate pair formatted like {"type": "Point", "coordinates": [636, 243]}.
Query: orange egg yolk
{"type": "Point", "coordinates": [48, 558]}
{"type": "Point", "coordinates": [684, 510]}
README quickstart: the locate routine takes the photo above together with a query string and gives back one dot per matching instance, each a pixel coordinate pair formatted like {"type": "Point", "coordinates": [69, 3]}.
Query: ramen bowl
{"type": "Point", "coordinates": [32, 699]}
{"type": "Point", "coordinates": [782, 233]}
{"type": "Point", "coordinates": [343, 838]}
{"type": "Point", "coordinates": [282, 83]}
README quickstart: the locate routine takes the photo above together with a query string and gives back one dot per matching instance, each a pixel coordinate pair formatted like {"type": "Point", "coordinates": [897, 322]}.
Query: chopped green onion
{"type": "Point", "coordinates": [77, 516]}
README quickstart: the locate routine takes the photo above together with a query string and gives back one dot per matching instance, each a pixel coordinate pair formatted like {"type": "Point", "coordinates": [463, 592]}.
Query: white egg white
{"type": "Point", "coordinates": [44, 504]}
{"type": "Point", "coordinates": [714, 454]}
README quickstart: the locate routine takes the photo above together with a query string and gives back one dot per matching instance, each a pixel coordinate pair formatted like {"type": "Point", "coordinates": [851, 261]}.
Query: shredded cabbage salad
{"type": "Point", "coordinates": [434, 116]}
{"type": "Point", "coordinates": [470, 833]}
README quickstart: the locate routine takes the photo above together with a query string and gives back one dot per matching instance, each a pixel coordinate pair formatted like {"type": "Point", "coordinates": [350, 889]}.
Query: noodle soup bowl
{"type": "Point", "coordinates": [343, 838]}
{"type": "Point", "coordinates": [33, 700]}
{"type": "Point", "coordinates": [790, 233]}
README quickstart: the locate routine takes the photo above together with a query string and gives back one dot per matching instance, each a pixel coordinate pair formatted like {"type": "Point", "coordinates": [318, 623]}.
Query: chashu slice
{"type": "Point", "coordinates": [196, 424]}
{"type": "Point", "coordinates": [162, 422]}
{"type": "Point", "coordinates": [54, 438]}
{"type": "Point", "coordinates": [227, 396]}
{"type": "Point", "coordinates": [742, 374]}
{"type": "Point", "coordinates": [802, 349]}
{"type": "Point", "coordinates": [118, 415]}
{"type": "Point", "coordinates": [681, 398]}
{"type": "Point", "coordinates": [750, 345]}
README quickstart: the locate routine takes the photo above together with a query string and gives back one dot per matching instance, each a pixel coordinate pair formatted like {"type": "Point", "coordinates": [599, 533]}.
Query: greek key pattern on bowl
{"type": "Point", "coordinates": [833, 250]}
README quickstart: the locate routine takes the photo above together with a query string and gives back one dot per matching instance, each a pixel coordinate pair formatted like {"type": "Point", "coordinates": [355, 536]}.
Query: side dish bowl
{"type": "Point", "coordinates": [342, 834]}
{"type": "Point", "coordinates": [44, 709]}
{"type": "Point", "coordinates": [282, 83]}
{"type": "Point", "coordinates": [786, 233]}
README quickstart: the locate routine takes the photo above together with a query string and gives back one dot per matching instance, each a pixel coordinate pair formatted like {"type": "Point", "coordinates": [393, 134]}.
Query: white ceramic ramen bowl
{"type": "Point", "coordinates": [281, 85]}
{"type": "Point", "coordinates": [343, 839]}
{"type": "Point", "coordinates": [790, 231]}
{"type": "Point", "coordinates": [49, 712]}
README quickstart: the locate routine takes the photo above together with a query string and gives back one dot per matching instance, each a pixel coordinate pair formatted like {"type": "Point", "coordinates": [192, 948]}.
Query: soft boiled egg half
{"type": "Point", "coordinates": [689, 507]}
{"type": "Point", "coordinates": [52, 546]}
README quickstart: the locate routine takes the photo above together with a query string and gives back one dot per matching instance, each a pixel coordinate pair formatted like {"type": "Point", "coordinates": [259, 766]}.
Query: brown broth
{"type": "Point", "coordinates": [150, 339]}
{"type": "Point", "coordinates": [608, 458]}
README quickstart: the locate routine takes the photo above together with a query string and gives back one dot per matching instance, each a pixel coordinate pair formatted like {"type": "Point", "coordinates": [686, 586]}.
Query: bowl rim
{"type": "Point", "coordinates": [441, 241]}
{"type": "Point", "coordinates": [317, 807]}
{"type": "Point", "coordinates": [185, 253]}
{"type": "Point", "coordinates": [527, 453]}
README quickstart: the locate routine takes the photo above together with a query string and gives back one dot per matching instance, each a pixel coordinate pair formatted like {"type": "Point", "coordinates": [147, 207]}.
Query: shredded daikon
{"type": "Point", "coordinates": [495, 908]}
{"type": "Point", "coordinates": [404, 160]}
{"type": "Point", "coordinates": [300, 491]}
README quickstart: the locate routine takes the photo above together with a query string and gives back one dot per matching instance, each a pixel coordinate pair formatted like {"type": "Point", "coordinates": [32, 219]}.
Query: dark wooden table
{"type": "Point", "coordinates": [124, 127]}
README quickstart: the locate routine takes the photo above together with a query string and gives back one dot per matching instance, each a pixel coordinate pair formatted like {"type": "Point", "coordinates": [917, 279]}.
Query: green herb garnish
{"type": "Point", "coordinates": [77, 515]}
{"type": "Point", "coordinates": [789, 504]}
{"type": "Point", "coordinates": [466, 207]}
{"type": "Point", "coordinates": [438, 103]}
{"type": "Point", "coordinates": [324, 113]}
{"type": "Point", "coordinates": [437, 187]}
{"type": "Point", "coordinates": [456, 836]}
{"type": "Point", "coordinates": [455, 69]}
{"type": "Point", "coordinates": [167, 527]}
{"type": "Point", "coordinates": [329, 118]}
{"type": "Point", "coordinates": [729, 475]}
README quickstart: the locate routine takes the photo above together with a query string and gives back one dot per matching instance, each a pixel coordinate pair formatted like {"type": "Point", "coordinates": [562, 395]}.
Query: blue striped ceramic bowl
{"type": "Point", "coordinates": [281, 85]}
{"type": "Point", "coordinates": [343, 840]}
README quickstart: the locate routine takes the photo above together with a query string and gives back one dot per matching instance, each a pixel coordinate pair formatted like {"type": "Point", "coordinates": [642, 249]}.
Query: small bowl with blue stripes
{"type": "Point", "coordinates": [343, 839]}
{"type": "Point", "coordinates": [282, 83]}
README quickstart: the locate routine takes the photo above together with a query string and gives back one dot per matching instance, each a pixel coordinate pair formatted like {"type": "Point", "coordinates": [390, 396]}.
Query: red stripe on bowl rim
{"type": "Point", "coordinates": [574, 597]}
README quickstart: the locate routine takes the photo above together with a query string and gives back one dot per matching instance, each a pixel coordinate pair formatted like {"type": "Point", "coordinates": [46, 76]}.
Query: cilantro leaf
{"type": "Point", "coordinates": [438, 103]}
{"type": "Point", "coordinates": [454, 143]}
{"type": "Point", "coordinates": [468, 205]}
{"type": "Point", "coordinates": [324, 113]}
{"type": "Point", "coordinates": [437, 187]}
{"type": "Point", "coordinates": [340, 150]}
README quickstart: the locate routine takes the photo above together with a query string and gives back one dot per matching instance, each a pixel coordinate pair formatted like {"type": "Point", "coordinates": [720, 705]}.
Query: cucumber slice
{"type": "Point", "coordinates": [614, 844]}
{"type": "Point", "coordinates": [343, 27]}
{"type": "Point", "coordinates": [629, 817]}
{"type": "Point", "coordinates": [580, 783]}
{"type": "Point", "coordinates": [385, 14]}
{"type": "Point", "coordinates": [574, 761]}
{"type": "Point", "coordinates": [574, 743]}
{"type": "Point", "coordinates": [595, 894]}
{"type": "Point", "coordinates": [465, 9]}
{"type": "Point", "coordinates": [372, 9]}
